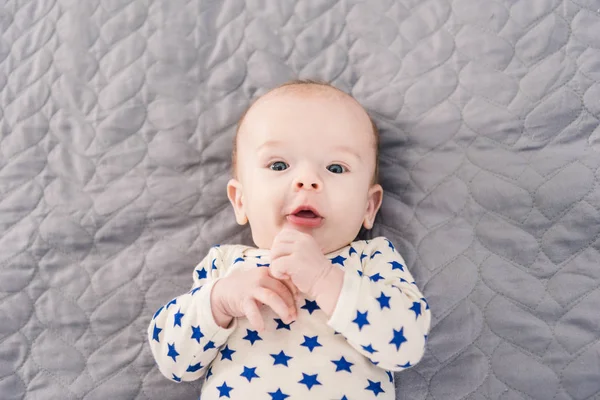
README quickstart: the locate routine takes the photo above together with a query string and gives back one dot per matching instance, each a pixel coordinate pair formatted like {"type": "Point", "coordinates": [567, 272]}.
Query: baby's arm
{"type": "Point", "coordinates": [184, 337]}
{"type": "Point", "coordinates": [380, 310]}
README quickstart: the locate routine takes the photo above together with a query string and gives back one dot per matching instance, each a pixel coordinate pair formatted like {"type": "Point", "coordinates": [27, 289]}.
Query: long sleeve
{"type": "Point", "coordinates": [380, 310]}
{"type": "Point", "coordinates": [183, 335]}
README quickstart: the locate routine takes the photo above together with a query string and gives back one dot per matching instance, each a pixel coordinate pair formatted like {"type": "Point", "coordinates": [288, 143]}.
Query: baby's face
{"type": "Point", "coordinates": [306, 160]}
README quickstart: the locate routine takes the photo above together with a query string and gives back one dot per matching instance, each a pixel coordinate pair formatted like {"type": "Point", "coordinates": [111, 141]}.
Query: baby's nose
{"type": "Point", "coordinates": [307, 183]}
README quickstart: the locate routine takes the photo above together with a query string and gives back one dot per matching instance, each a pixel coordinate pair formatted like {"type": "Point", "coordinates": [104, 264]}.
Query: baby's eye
{"type": "Point", "coordinates": [278, 166]}
{"type": "Point", "coordinates": [336, 168]}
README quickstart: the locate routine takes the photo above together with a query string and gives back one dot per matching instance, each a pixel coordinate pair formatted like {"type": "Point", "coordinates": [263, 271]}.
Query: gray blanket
{"type": "Point", "coordinates": [116, 120]}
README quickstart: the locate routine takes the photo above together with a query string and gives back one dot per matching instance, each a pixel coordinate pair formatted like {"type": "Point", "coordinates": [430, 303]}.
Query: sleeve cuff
{"type": "Point", "coordinates": [346, 304]}
{"type": "Point", "coordinates": [206, 318]}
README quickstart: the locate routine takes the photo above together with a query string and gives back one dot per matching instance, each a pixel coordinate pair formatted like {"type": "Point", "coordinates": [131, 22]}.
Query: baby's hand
{"type": "Point", "coordinates": [297, 256]}
{"type": "Point", "coordinates": [241, 293]}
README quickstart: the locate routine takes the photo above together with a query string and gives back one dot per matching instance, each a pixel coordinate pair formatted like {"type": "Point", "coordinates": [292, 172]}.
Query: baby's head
{"type": "Point", "coordinates": [305, 157]}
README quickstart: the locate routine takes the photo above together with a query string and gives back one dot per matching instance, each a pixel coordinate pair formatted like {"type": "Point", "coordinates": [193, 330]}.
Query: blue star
{"type": "Point", "coordinates": [309, 380]}
{"type": "Point", "coordinates": [375, 387]}
{"type": "Point", "coordinates": [224, 390]}
{"type": "Point", "coordinates": [209, 372]}
{"type": "Point", "coordinates": [176, 378]}
{"type": "Point", "coordinates": [197, 333]}
{"type": "Point", "coordinates": [282, 325]}
{"type": "Point", "coordinates": [251, 336]}
{"type": "Point", "coordinates": [259, 257]}
{"type": "Point", "coordinates": [342, 365]}
{"type": "Point", "coordinates": [214, 267]}
{"type": "Point", "coordinates": [209, 345]}
{"type": "Point", "coordinates": [194, 368]}
{"type": "Point", "coordinates": [338, 260]}
{"type": "Point", "coordinates": [407, 365]}
{"type": "Point", "coordinates": [158, 312]}
{"type": "Point", "coordinates": [155, 333]}
{"type": "Point", "coordinates": [262, 265]}
{"type": "Point", "coordinates": [389, 374]}
{"type": "Point", "coordinates": [226, 353]}
{"type": "Point", "coordinates": [426, 303]}
{"type": "Point", "coordinates": [311, 342]}
{"type": "Point", "coordinates": [376, 277]}
{"type": "Point", "coordinates": [172, 352]}
{"type": "Point", "coordinates": [278, 395]}
{"type": "Point", "coordinates": [352, 251]}
{"type": "Point", "coordinates": [310, 306]}
{"type": "Point", "coordinates": [202, 273]}
{"type": "Point", "coordinates": [384, 301]}
{"type": "Point", "coordinates": [374, 254]}
{"type": "Point", "coordinates": [398, 338]}
{"type": "Point", "coordinates": [239, 259]}
{"type": "Point", "coordinates": [360, 273]}
{"type": "Point", "coordinates": [361, 319]}
{"type": "Point", "coordinates": [249, 373]}
{"type": "Point", "coordinates": [416, 307]}
{"type": "Point", "coordinates": [216, 245]}
{"type": "Point", "coordinates": [425, 337]}
{"type": "Point", "coordinates": [369, 349]}
{"type": "Point", "coordinates": [344, 397]}
{"type": "Point", "coordinates": [391, 245]}
{"type": "Point", "coordinates": [281, 358]}
{"type": "Point", "coordinates": [174, 301]}
{"type": "Point", "coordinates": [362, 255]}
{"type": "Point", "coordinates": [193, 291]}
{"type": "Point", "coordinates": [177, 318]}
{"type": "Point", "coordinates": [396, 265]}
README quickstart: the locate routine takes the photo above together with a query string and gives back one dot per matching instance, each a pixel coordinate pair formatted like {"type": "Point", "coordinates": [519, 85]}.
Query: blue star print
{"type": "Point", "coordinates": [278, 395]}
{"type": "Point", "coordinates": [338, 260]}
{"type": "Point", "coordinates": [202, 273]}
{"type": "Point", "coordinates": [197, 333]}
{"type": "Point", "coordinates": [174, 301]}
{"type": "Point", "coordinates": [342, 365]}
{"type": "Point", "coordinates": [390, 244]}
{"type": "Point", "coordinates": [344, 397]}
{"type": "Point", "coordinates": [310, 306]}
{"type": "Point", "coordinates": [194, 368]}
{"type": "Point", "coordinates": [155, 333]}
{"type": "Point", "coordinates": [376, 277]}
{"type": "Point", "coordinates": [239, 259]}
{"type": "Point", "coordinates": [209, 345]}
{"type": "Point", "coordinates": [157, 312]}
{"type": "Point", "coordinates": [262, 265]}
{"type": "Point", "coordinates": [281, 358]}
{"type": "Point", "coordinates": [398, 338]}
{"type": "Point", "coordinates": [249, 373]}
{"type": "Point", "coordinates": [407, 365]}
{"type": "Point", "coordinates": [375, 387]}
{"type": "Point", "coordinates": [176, 378]}
{"type": "Point", "coordinates": [309, 380]}
{"type": "Point", "coordinates": [390, 376]}
{"type": "Point", "coordinates": [251, 336]}
{"type": "Point", "coordinates": [214, 266]}
{"type": "Point", "coordinates": [311, 342]}
{"type": "Point", "coordinates": [416, 307]}
{"type": "Point", "coordinates": [384, 301]}
{"type": "Point", "coordinates": [193, 291]}
{"type": "Point", "coordinates": [172, 352]}
{"type": "Point", "coordinates": [282, 325]}
{"type": "Point", "coordinates": [351, 251]}
{"type": "Point", "coordinates": [208, 373]}
{"type": "Point", "coordinates": [369, 349]}
{"type": "Point", "coordinates": [361, 319]}
{"type": "Point", "coordinates": [177, 318]}
{"type": "Point", "coordinates": [374, 254]}
{"type": "Point", "coordinates": [396, 265]}
{"type": "Point", "coordinates": [224, 390]}
{"type": "Point", "coordinates": [426, 303]}
{"type": "Point", "coordinates": [226, 353]}
{"type": "Point", "coordinates": [362, 255]}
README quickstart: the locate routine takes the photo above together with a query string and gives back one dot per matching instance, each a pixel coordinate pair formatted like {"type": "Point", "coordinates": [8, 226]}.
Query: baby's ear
{"type": "Point", "coordinates": [375, 197]}
{"type": "Point", "coordinates": [236, 197]}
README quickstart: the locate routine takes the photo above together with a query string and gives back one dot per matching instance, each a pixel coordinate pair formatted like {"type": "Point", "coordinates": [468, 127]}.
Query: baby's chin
{"type": "Point", "coordinates": [321, 237]}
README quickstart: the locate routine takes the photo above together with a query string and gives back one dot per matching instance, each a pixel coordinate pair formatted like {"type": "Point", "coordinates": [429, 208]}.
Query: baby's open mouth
{"type": "Point", "coordinates": [306, 214]}
{"type": "Point", "coordinates": [305, 217]}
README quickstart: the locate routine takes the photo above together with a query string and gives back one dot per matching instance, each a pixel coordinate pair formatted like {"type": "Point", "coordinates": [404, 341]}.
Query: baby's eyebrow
{"type": "Point", "coordinates": [348, 150]}
{"type": "Point", "coordinates": [269, 144]}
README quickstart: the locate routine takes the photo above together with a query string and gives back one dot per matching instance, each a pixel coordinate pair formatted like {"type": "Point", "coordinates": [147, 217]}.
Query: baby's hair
{"type": "Point", "coordinates": [306, 85]}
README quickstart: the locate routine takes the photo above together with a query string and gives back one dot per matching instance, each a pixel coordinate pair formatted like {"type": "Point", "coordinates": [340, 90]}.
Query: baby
{"type": "Point", "coordinates": [308, 313]}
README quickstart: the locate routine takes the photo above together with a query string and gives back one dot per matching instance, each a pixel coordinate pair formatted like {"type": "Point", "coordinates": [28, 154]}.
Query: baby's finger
{"type": "Point", "coordinates": [250, 309]}
{"type": "Point", "coordinates": [282, 290]}
{"type": "Point", "coordinates": [281, 249]}
{"type": "Point", "coordinates": [271, 299]}
{"type": "Point", "coordinates": [290, 285]}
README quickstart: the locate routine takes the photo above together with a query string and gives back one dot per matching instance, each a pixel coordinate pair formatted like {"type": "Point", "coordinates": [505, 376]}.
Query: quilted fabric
{"type": "Point", "coordinates": [116, 119]}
